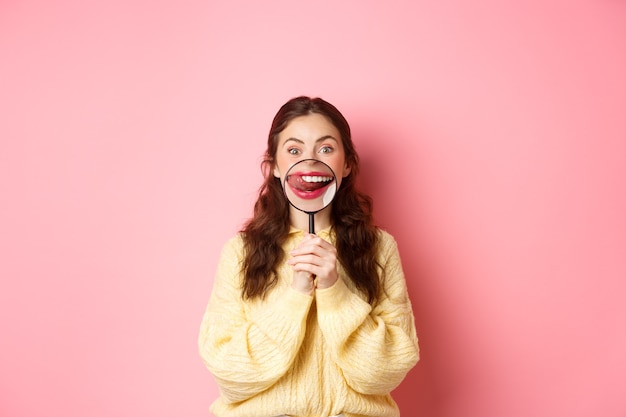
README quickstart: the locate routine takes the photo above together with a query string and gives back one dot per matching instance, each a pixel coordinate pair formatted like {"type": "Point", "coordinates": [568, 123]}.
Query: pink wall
{"type": "Point", "coordinates": [493, 139]}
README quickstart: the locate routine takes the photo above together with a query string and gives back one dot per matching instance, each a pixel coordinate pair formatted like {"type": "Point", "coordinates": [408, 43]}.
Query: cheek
{"type": "Point", "coordinates": [341, 168]}
{"type": "Point", "coordinates": [278, 167]}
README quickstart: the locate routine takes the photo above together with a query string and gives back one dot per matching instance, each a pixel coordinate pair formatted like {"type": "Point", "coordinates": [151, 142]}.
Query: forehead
{"type": "Point", "coordinates": [309, 127]}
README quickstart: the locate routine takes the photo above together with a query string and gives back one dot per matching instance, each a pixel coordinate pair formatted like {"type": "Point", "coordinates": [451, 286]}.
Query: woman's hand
{"type": "Point", "coordinates": [314, 260]}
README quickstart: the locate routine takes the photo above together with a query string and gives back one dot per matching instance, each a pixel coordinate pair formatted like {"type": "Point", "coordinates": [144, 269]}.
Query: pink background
{"type": "Point", "coordinates": [492, 136]}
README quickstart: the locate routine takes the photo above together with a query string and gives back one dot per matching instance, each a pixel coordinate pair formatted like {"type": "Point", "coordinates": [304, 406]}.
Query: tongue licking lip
{"type": "Point", "coordinates": [309, 185]}
{"type": "Point", "coordinates": [298, 182]}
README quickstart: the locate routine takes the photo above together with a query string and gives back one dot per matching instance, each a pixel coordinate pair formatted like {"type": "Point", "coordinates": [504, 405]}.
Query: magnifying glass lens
{"type": "Point", "coordinates": [310, 186]}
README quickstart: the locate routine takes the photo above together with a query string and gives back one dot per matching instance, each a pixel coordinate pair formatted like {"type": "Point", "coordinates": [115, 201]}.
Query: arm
{"type": "Point", "coordinates": [374, 346]}
{"type": "Point", "coordinates": [247, 355]}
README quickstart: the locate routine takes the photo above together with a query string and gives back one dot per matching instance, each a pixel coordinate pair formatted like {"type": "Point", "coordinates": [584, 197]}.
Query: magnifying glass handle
{"type": "Point", "coordinates": [311, 223]}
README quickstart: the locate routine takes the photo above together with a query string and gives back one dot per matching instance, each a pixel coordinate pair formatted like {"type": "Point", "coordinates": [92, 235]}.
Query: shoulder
{"type": "Point", "coordinates": [387, 249]}
{"type": "Point", "coordinates": [234, 241]}
{"type": "Point", "coordinates": [386, 241]}
{"type": "Point", "coordinates": [233, 247]}
{"type": "Point", "coordinates": [384, 235]}
{"type": "Point", "coordinates": [230, 262]}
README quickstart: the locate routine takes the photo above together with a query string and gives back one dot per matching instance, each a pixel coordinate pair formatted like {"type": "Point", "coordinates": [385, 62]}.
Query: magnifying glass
{"type": "Point", "coordinates": [310, 186]}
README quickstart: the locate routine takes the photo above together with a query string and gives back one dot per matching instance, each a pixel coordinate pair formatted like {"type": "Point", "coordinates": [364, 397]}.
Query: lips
{"type": "Point", "coordinates": [308, 185]}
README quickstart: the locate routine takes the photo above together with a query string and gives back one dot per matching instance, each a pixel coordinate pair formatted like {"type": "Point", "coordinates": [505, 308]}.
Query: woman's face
{"type": "Point", "coordinates": [312, 136]}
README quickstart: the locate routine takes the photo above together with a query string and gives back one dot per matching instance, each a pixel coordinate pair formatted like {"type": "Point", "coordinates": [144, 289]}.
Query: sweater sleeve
{"type": "Point", "coordinates": [247, 355]}
{"type": "Point", "coordinates": [376, 346]}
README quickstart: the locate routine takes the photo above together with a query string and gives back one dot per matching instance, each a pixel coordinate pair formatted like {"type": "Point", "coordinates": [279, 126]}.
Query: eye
{"type": "Point", "coordinates": [326, 149]}
{"type": "Point", "coordinates": [293, 151]}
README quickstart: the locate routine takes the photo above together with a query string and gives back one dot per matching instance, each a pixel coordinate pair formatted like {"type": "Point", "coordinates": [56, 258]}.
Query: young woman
{"type": "Point", "coordinates": [301, 324]}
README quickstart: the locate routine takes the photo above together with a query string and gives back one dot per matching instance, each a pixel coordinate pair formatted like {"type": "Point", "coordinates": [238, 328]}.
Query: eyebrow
{"type": "Point", "coordinates": [323, 138]}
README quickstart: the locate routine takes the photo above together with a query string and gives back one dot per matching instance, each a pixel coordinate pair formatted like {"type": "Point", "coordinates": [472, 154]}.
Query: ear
{"type": "Point", "coordinates": [346, 170]}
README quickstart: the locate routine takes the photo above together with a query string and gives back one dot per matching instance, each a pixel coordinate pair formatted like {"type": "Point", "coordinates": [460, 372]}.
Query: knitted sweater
{"type": "Point", "coordinates": [308, 355]}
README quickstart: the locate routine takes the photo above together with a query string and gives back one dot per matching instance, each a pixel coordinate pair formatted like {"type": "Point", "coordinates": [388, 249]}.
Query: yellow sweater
{"type": "Point", "coordinates": [308, 356]}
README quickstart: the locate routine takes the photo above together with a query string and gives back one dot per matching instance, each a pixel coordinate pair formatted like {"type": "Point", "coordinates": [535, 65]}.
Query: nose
{"type": "Point", "coordinates": [309, 154]}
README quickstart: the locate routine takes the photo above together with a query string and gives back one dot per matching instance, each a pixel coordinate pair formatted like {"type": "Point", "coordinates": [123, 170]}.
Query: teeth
{"type": "Point", "coordinates": [316, 178]}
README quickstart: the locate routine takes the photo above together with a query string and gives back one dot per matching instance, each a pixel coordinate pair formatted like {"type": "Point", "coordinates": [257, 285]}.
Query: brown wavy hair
{"type": "Point", "coordinates": [351, 214]}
